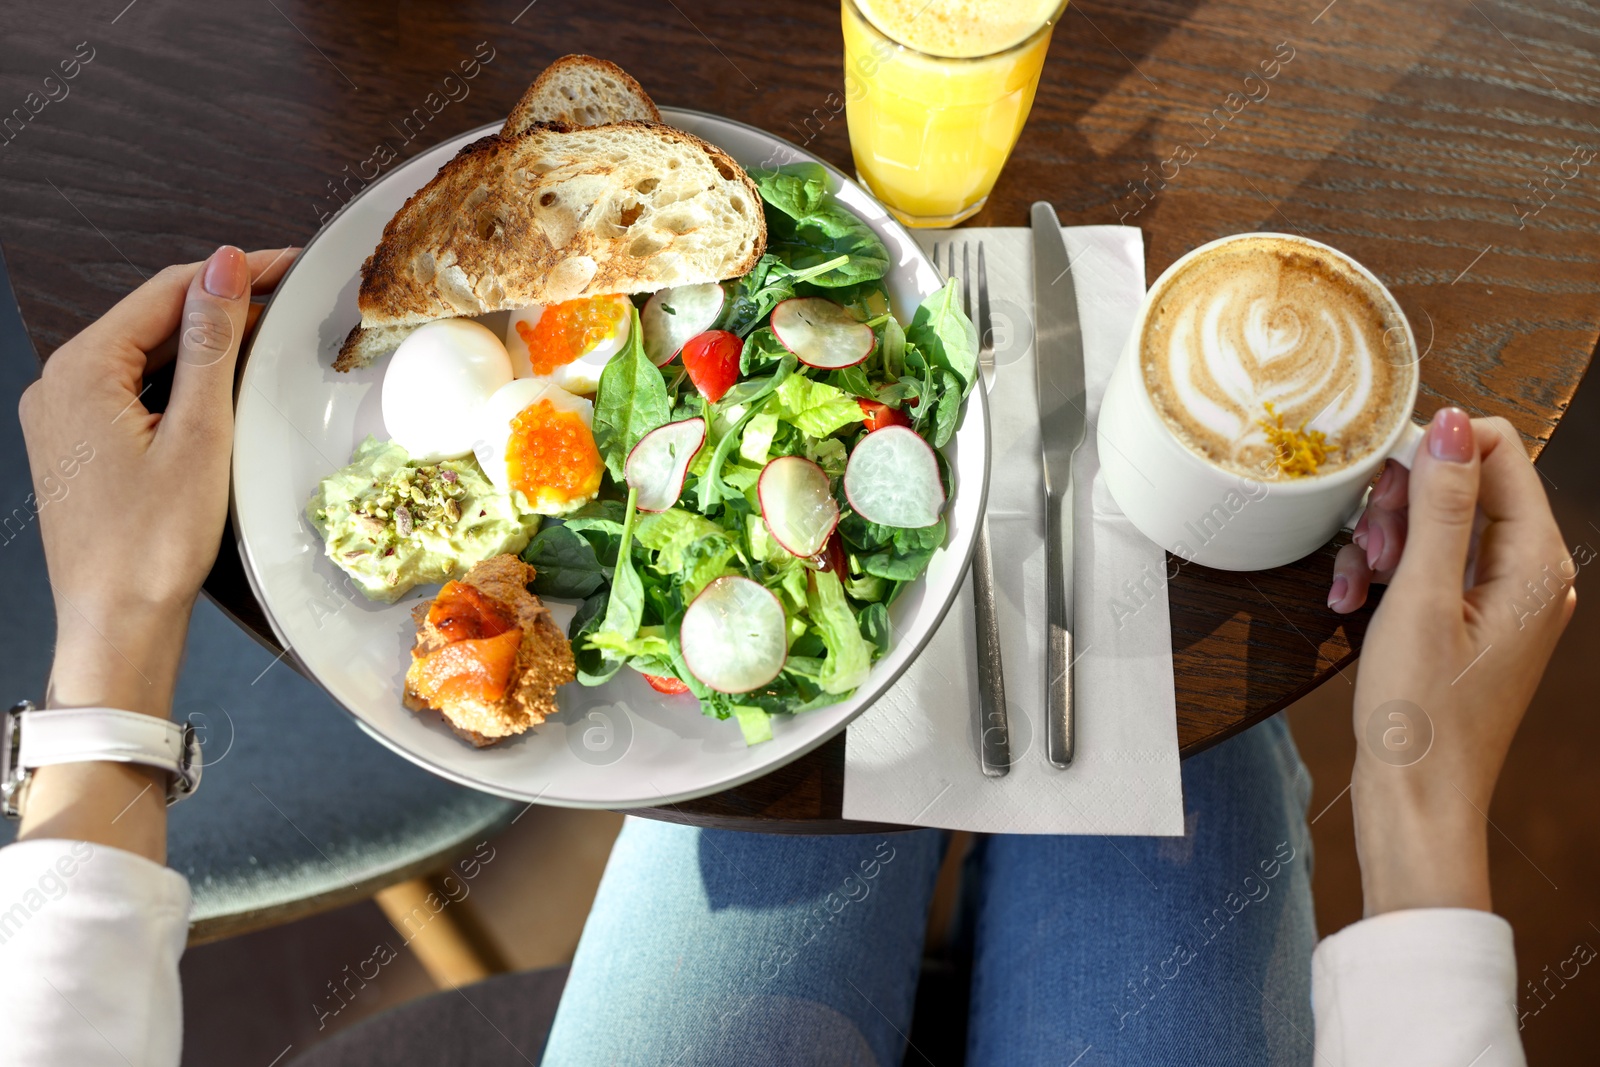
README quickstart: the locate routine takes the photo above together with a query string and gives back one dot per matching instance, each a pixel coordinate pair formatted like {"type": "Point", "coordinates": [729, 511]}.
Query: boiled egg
{"type": "Point", "coordinates": [435, 384]}
{"type": "Point", "coordinates": [536, 442]}
{"type": "Point", "coordinates": [569, 343]}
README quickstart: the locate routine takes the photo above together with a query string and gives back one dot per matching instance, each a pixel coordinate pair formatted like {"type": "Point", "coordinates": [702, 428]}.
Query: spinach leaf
{"type": "Point", "coordinates": [591, 613]}
{"type": "Point", "coordinates": [947, 411]}
{"type": "Point", "coordinates": [806, 227]}
{"type": "Point", "coordinates": [944, 335]}
{"type": "Point", "coordinates": [797, 190]}
{"type": "Point", "coordinates": [832, 232]}
{"type": "Point", "coordinates": [895, 553]}
{"type": "Point", "coordinates": [892, 349]}
{"type": "Point", "coordinates": [896, 565]}
{"type": "Point", "coordinates": [566, 564]}
{"type": "Point", "coordinates": [874, 622]}
{"type": "Point", "coordinates": [868, 299]}
{"type": "Point", "coordinates": [632, 401]}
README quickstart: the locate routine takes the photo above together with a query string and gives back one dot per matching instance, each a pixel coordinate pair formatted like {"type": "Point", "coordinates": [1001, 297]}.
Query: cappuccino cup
{"type": "Point", "coordinates": [1266, 380]}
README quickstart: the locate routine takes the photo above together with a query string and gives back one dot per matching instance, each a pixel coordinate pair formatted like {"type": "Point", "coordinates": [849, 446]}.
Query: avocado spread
{"type": "Point", "coordinates": [392, 524]}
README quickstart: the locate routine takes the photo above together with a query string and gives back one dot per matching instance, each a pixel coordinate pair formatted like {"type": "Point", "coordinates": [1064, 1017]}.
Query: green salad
{"type": "Point", "coordinates": [775, 444]}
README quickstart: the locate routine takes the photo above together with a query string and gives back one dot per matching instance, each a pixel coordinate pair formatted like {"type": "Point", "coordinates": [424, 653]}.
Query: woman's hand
{"type": "Point", "coordinates": [1447, 672]}
{"type": "Point", "coordinates": [131, 507]}
{"type": "Point", "coordinates": [132, 504]}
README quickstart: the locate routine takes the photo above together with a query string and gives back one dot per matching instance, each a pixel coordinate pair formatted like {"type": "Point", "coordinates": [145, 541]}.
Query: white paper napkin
{"type": "Point", "coordinates": [912, 757]}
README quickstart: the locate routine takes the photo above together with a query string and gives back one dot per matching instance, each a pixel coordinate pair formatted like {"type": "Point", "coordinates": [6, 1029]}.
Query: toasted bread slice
{"type": "Point", "coordinates": [578, 91]}
{"type": "Point", "coordinates": [544, 658]}
{"type": "Point", "coordinates": [555, 213]}
{"type": "Point", "coordinates": [363, 347]}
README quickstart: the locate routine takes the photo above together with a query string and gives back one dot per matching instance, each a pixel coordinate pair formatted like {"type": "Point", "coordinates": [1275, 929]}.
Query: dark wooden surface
{"type": "Point", "coordinates": [1411, 136]}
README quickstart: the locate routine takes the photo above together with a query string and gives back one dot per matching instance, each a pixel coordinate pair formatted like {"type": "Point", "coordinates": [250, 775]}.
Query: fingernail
{"type": "Point", "coordinates": [1359, 534]}
{"type": "Point", "coordinates": [227, 275]}
{"type": "Point", "coordinates": [1341, 586]}
{"type": "Point", "coordinates": [1374, 545]}
{"type": "Point", "coordinates": [1450, 436]}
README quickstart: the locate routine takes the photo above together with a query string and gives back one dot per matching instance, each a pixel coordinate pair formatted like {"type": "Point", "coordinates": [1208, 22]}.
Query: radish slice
{"type": "Point", "coordinates": [658, 463]}
{"type": "Point", "coordinates": [734, 635]}
{"type": "Point", "coordinates": [797, 504]}
{"type": "Point", "coordinates": [892, 479]}
{"type": "Point", "coordinates": [821, 333]}
{"type": "Point", "coordinates": [672, 316]}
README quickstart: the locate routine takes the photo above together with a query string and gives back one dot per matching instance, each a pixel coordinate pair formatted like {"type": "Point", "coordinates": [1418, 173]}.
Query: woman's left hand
{"type": "Point", "coordinates": [132, 503]}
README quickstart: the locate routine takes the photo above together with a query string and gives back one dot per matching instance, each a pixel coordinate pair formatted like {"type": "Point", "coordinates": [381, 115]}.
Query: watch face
{"type": "Point", "coordinates": [11, 776]}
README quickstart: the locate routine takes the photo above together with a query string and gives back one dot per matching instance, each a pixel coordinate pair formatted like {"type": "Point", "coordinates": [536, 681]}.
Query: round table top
{"type": "Point", "coordinates": [1451, 149]}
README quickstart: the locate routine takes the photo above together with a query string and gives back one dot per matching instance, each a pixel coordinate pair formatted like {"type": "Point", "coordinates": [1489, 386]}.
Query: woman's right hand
{"type": "Point", "coordinates": [1447, 672]}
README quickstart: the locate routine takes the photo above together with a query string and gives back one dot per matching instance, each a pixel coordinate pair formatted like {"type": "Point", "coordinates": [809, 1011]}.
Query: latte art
{"type": "Point", "coordinates": [1270, 357]}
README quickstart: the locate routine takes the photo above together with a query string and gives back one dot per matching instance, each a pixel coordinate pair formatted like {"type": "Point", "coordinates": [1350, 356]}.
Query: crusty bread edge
{"type": "Point", "coordinates": [377, 271]}
{"type": "Point", "coordinates": [516, 121]}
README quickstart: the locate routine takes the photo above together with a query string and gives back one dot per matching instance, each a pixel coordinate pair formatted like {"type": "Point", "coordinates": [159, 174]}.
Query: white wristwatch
{"type": "Point", "coordinates": [33, 738]}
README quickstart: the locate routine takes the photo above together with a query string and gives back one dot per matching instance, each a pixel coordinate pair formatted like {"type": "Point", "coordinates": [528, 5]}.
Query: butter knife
{"type": "Point", "coordinates": [1058, 357]}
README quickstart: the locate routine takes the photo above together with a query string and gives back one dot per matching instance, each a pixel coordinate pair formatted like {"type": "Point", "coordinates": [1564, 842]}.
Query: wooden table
{"type": "Point", "coordinates": [1450, 147]}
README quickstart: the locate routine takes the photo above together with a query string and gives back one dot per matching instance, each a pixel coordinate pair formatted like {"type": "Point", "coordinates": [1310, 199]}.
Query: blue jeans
{"type": "Point", "coordinates": [708, 948]}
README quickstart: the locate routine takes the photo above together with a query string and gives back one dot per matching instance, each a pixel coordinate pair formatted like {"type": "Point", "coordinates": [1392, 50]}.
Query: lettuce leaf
{"type": "Point", "coordinates": [814, 407]}
{"type": "Point", "coordinates": [849, 654]}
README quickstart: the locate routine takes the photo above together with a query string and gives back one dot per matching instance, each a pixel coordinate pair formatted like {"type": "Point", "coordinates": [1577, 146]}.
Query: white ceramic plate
{"type": "Point", "coordinates": [616, 746]}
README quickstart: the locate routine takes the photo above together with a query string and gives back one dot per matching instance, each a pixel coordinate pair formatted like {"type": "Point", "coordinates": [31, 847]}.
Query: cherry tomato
{"type": "Point", "coordinates": [880, 415]}
{"type": "Point", "coordinates": [712, 360]}
{"type": "Point", "coordinates": [670, 686]}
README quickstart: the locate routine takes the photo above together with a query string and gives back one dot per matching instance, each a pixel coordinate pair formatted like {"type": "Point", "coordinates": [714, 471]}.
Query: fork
{"type": "Point", "coordinates": [994, 731]}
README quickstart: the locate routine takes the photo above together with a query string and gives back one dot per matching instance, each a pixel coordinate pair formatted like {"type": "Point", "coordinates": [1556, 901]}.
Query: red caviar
{"type": "Point", "coordinates": [552, 453]}
{"type": "Point", "coordinates": [569, 329]}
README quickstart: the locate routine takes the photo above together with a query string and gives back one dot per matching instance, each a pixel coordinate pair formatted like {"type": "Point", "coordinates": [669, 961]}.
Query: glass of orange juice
{"type": "Point", "coordinates": [936, 92]}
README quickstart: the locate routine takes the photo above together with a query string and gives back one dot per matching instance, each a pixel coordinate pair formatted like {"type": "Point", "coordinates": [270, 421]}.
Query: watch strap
{"type": "Point", "coordinates": [84, 735]}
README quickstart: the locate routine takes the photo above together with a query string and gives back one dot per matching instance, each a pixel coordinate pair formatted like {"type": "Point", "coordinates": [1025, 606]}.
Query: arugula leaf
{"type": "Point", "coordinates": [854, 381]}
{"type": "Point", "coordinates": [566, 564]}
{"type": "Point", "coordinates": [771, 281]}
{"type": "Point", "coordinates": [762, 350]}
{"type": "Point", "coordinates": [849, 656]}
{"type": "Point", "coordinates": [631, 401]}
{"type": "Point", "coordinates": [712, 489]}
{"type": "Point", "coordinates": [945, 336]}
{"type": "Point", "coordinates": [815, 407]}
{"type": "Point", "coordinates": [624, 607]}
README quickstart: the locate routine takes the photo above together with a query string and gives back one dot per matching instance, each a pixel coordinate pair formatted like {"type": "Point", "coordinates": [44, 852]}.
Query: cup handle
{"type": "Point", "coordinates": [1404, 453]}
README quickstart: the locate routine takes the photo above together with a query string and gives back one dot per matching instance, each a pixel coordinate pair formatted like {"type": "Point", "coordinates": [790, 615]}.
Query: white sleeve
{"type": "Point", "coordinates": [89, 943]}
{"type": "Point", "coordinates": [1434, 986]}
